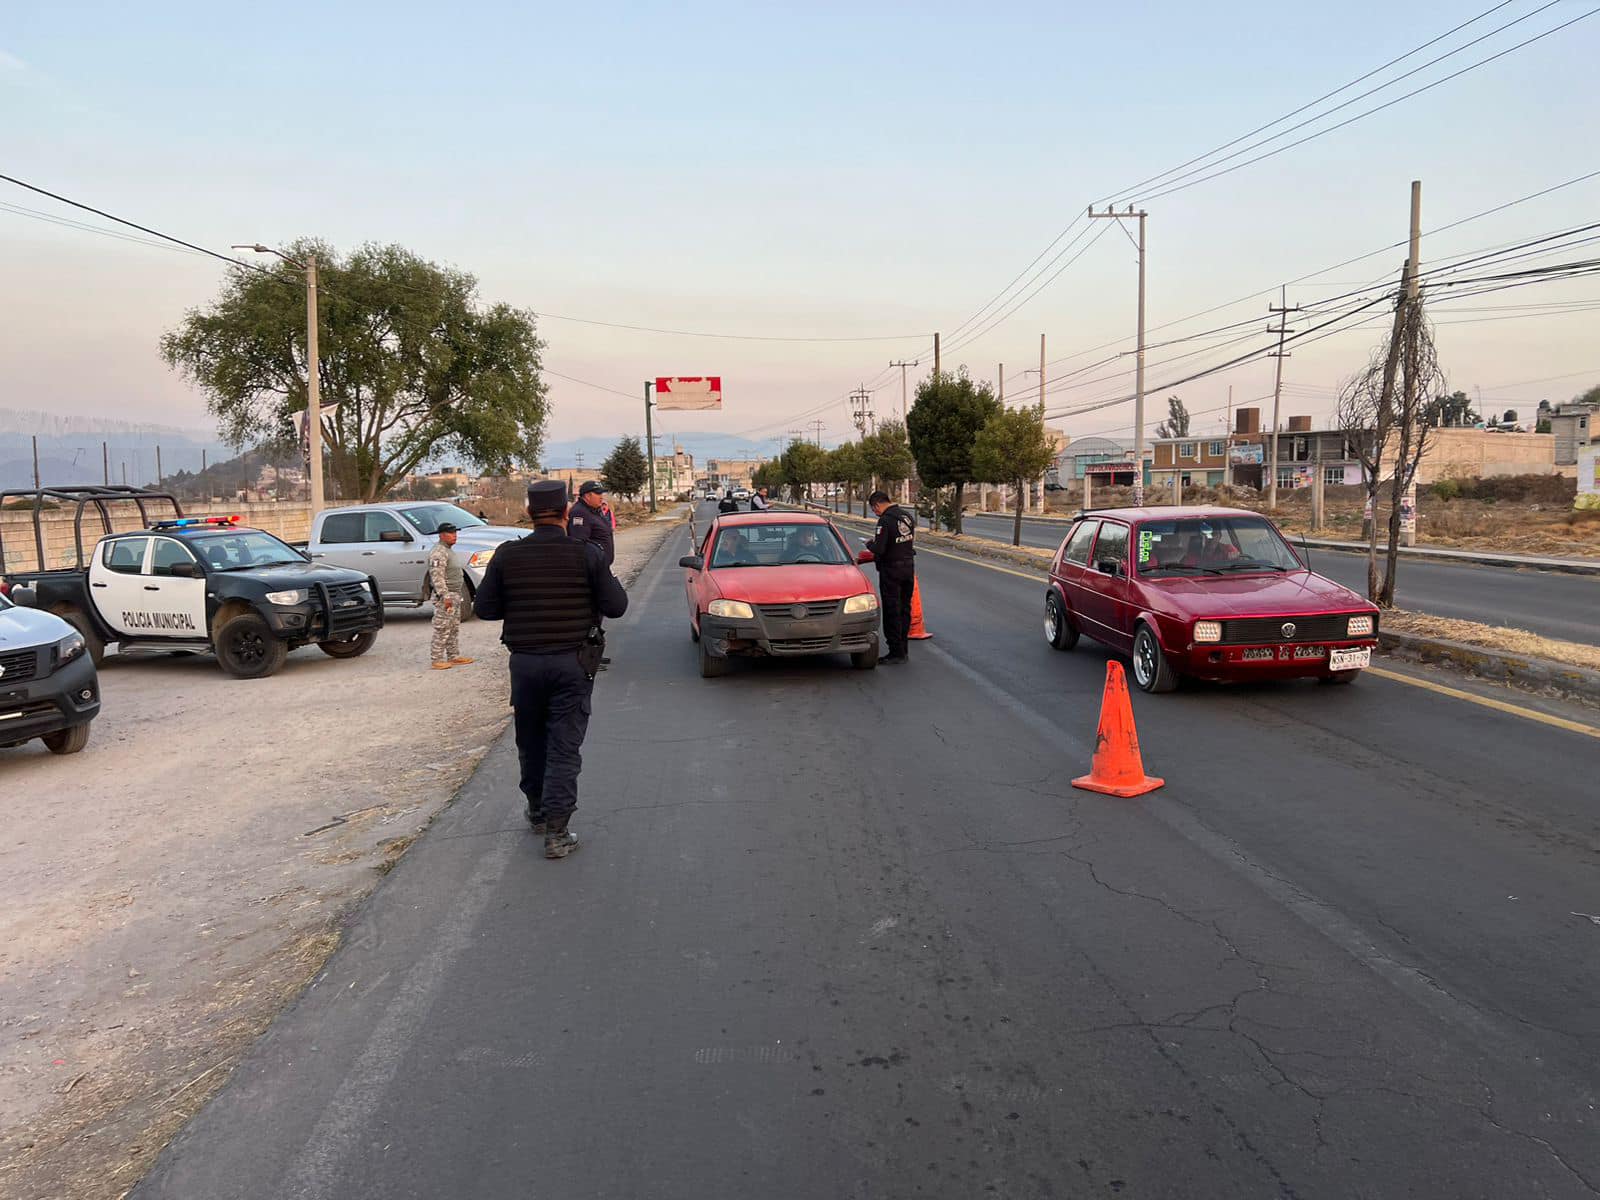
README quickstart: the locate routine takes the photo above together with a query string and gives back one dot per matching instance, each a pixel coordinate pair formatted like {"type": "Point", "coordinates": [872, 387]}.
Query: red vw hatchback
{"type": "Point", "coordinates": [778, 584]}
{"type": "Point", "coordinates": [1217, 593]}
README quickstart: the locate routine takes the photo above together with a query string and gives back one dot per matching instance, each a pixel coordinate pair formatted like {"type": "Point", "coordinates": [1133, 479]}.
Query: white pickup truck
{"type": "Point", "coordinates": [390, 542]}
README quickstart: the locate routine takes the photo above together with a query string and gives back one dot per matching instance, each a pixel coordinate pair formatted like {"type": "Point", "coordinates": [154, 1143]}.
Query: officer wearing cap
{"type": "Point", "coordinates": [590, 522]}
{"type": "Point", "coordinates": [447, 584]}
{"type": "Point", "coordinates": [551, 592]}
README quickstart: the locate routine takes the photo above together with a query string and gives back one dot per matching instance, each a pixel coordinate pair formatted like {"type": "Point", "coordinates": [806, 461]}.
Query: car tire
{"type": "Point", "coordinates": [467, 614]}
{"type": "Point", "coordinates": [865, 660]}
{"type": "Point", "coordinates": [1151, 670]}
{"type": "Point", "coordinates": [67, 741]}
{"type": "Point", "coordinates": [351, 647]}
{"type": "Point", "coordinates": [711, 666]}
{"type": "Point", "coordinates": [1340, 678]}
{"type": "Point", "coordinates": [246, 649]}
{"type": "Point", "coordinates": [79, 620]}
{"type": "Point", "coordinates": [1058, 627]}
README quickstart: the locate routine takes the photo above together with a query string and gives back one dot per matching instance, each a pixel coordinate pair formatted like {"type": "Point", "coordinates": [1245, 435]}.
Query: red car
{"type": "Point", "coordinates": [1216, 593]}
{"type": "Point", "coordinates": [780, 584]}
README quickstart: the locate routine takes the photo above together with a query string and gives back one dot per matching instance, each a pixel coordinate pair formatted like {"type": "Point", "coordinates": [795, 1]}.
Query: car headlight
{"type": "Point", "coordinates": [1359, 627]}
{"type": "Point", "coordinates": [292, 596]}
{"type": "Point", "coordinates": [480, 558]}
{"type": "Point", "coordinates": [1208, 631]}
{"type": "Point", "coordinates": [865, 602]}
{"type": "Point", "coordinates": [69, 647]}
{"type": "Point", "coordinates": [731, 608]}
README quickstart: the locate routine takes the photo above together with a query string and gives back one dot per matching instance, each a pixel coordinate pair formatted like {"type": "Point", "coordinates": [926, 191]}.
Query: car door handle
{"type": "Point", "coordinates": [368, 553]}
{"type": "Point", "coordinates": [150, 587]}
{"type": "Point", "coordinates": [97, 585]}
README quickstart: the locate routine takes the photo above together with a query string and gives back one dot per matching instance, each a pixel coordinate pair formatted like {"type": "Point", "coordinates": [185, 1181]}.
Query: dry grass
{"type": "Point", "coordinates": [1492, 637]}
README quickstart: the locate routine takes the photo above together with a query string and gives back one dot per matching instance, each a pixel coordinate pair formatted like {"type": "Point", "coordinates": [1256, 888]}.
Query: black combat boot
{"type": "Point", "coordinates": [558, 843]}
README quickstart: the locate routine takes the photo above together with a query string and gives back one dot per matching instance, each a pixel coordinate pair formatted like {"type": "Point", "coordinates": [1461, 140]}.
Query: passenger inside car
{"type": "Point", "coordinates": [732, 551]}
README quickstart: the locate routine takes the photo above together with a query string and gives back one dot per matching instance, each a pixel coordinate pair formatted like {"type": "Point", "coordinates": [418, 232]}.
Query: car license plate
{"type": "Point", "coordinates": [1350, 660]}
{"type": "Point", "coordinates": [1311, 652]}
{"type": "Point", "coordinates": [1256, 652]}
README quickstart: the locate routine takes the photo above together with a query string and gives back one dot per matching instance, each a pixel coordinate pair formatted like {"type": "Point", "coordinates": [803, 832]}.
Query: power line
{"type": "Point", "coordinates": [737, 337]}
{"type": "Point", "coordinates": [599, 387]}
{"type": "Point", "coordinates": [84, 226]}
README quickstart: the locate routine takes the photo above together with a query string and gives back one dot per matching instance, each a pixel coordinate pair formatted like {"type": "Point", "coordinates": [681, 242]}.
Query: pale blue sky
{"type": "Point", "coordinates": [824, 170]}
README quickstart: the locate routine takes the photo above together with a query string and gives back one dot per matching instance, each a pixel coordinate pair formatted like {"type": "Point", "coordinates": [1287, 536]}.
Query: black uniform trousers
{"type": "Point", "coordinates": [551, 698]}
{"type": "Point", "coordinates": [894, 591]}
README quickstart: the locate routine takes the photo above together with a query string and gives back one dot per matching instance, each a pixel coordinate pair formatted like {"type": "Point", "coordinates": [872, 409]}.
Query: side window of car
{"type": "Point", "coordinates": [1112, 545]}
{"type": "Point", "coordinates": [125, 555]}
{"type": "Point", "coordinates": [379, 523]}
{"type": "Point", "coordinates": [1079, 541]}
{"type": "Point", "coordinates": [343, 527]}
{"type": "Point", "coordinates": [168, 554]}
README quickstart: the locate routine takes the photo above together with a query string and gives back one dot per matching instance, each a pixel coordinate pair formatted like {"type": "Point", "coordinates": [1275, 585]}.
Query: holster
{"type": "Point", "coordinates": [592, 651]}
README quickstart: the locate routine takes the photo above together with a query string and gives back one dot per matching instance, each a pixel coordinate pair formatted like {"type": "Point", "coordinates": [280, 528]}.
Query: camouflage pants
{"type": "Point", "coordinates": [446, 630]}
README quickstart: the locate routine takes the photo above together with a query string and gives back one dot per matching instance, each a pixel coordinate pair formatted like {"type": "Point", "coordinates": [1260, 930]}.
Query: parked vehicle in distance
{"type": "Point", "coordinates": [779, 585]}
{"type": "Point", "coordinates": [742, 493]}
{"type": "Point", "coordinates": [391, 542]}
{"type": "Point", "coordinates": [191, 584]}
{"type": "Point", "coordinates": [1214, 593]}
{"type": "Point", "coordinates": [49, 688]}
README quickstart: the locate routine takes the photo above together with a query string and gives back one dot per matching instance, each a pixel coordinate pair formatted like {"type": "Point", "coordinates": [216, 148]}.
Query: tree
{"type": "Point", "coordinates": [1591, 397]}
{"type": "Point", "coordinates": [846, 465]}
{"type": "Point", "coordinates": [1452, 410]}
{"type": "Point", "coordinates": [1013, 447]}
{"type": "Point", "coordinates": [1177, 423]}
{"type": "Point", "coordinates": [887, 454]}
{"type": "Point", "coordinates": [803, 465]}
{"type": "Point", "coordinates": [943, 424]}
{"type": "Point", "coordinates": [415, 366]}
{"type": "Point", "coordinates": [768, 475]}
{"type": "Point", "coordinates": [1510, 417]}
{"type": "Point", "coordinates": [625, 470]}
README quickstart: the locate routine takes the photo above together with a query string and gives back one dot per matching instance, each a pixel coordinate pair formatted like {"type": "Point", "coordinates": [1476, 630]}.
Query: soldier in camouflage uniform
{"type": "Point", "coordinates": [449, 587]}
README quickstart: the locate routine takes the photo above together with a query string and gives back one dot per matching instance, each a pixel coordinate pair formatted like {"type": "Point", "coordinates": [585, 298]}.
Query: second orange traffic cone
{"type": "Point", "coordinates": [919, 631]}
{"type": "Point", "coordinates": [1118, 769]}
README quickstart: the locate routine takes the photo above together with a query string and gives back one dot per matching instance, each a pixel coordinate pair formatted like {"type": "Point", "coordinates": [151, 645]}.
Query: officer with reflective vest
{"type": "Point", "coordinates": [551, 592]}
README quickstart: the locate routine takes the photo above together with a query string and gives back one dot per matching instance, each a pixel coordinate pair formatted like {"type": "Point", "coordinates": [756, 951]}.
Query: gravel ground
{"type": "Point", "coordinates": [171, 887]}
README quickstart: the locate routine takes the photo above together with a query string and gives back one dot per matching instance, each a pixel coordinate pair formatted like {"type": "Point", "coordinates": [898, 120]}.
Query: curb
{"type": "Point", "coordinates": [1538, 673]}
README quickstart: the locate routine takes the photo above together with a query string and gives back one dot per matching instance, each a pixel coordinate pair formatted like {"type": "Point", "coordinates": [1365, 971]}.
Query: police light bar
{"type": "Point", "coordinates": [186, 522]}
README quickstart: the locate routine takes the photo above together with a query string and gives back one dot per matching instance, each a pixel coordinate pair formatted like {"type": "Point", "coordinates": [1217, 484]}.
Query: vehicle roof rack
{"type": "Point", "coordinates": [81, 496]}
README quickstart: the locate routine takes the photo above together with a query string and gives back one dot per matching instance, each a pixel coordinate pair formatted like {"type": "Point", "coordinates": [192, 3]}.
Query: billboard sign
{"type": "Point", "coordinates": [695, 393]}
{"type": "Point", "coordinates": [1247, 454]}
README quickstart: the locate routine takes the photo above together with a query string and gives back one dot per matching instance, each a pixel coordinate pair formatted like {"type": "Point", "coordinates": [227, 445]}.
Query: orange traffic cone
{"type": "Point", "coordinates": [1117, 769]}
{"type": "Point", "coordinates": [919, 631]}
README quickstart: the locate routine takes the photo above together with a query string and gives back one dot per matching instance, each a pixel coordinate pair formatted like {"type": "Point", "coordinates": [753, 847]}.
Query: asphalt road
{"type": "Point", "coordinates": [1545, 602]}
{"type": "Point", "coordinates": [843, 934]}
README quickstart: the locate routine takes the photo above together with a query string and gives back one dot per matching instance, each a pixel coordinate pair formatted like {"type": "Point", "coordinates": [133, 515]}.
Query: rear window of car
{"type": "Point", "coordinates": [1079, 541]}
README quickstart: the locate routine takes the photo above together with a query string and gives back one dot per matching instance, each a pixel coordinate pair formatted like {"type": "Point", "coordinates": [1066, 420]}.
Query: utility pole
{"type": "Point", "coordinates": [861, 414]}
{"type": "Point", "coordinates": [650, 442]}
{"type": "Point", "coordinates": [817, 439]}
{"type": "Point", "coordinates": [1138, 385]}
{"type": "Point", "coordinates": [158, 464]}
{"type": "Point", "coordinates": [313, 388]}
{"type": "Point", "coordinates": [1001, 375]}
{"type": "Point", "coordinates": [36, 482]}
{"type": "Point", "coordinates": [1282, 310]}
{"type": "Point", "coordinates": [903, 366]}
{"type": "Point", "coordinates": [1041, 410]}
{"type": "Point", "coordinates": [936, 358]}
{"type": "Point", "coordinates": [1414, 324]}
{"type": "Point", "coordinates": [105, 462]}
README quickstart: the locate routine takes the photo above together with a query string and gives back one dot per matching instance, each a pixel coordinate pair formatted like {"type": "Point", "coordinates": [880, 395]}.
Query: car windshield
{"type": "Point", "coordinates": [240, 550]}
{"type": "Point", "coordinates": [1212, 546]}
{"type": "Point", "coordinates": [781, 544]}
{"type": "Point", "coordinates": [428, 517]}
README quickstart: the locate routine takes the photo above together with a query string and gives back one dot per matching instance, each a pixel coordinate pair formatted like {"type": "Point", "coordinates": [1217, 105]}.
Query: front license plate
{"type": "Point", "coordinates": [1349, 660]}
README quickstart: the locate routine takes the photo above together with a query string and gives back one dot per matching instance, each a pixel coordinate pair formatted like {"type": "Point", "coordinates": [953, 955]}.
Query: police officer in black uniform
{"type": "Point", "coordinates": [551, 591]}
{"type": "Point", "coordinates": [893, 550]}
{"type": "Point", "coordinates": [590, 522]}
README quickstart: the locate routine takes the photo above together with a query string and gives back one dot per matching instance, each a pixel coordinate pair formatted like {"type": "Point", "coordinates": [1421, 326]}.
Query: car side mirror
{"type": "Point", "coordinates": [24, 597]}
{"type": "Point", "coordinates": [183, 570]}
{"type": "Point", "coordinates": [1109, 566]}
{"type": "Point", "coordinates": [394, 535]}
{"type": "Point", "coordinates": [692, 562]}
{"type": "Point", "coordinates": [865, 556]}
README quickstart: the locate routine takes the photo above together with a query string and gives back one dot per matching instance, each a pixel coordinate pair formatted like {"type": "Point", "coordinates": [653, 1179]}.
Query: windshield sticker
{"type": "Point", "coordinates": [1146, 540]}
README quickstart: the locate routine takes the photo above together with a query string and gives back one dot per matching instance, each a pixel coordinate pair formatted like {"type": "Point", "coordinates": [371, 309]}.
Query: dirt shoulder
{"type": "Point", "coordinates": [172, 887]}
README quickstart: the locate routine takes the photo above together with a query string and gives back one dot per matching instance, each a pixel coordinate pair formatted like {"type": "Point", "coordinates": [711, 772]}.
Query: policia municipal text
{"type": "Point", "coordinates": [551, 591]}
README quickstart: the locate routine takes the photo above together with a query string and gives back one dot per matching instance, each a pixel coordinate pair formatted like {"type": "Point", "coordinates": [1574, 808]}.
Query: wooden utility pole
{"type": "Point", "coordinates": [1138, 373]}
{"type": "Point", "coordinates": [936, 357]}
{"type": "Point", "coordinates": [105, 462]}
{"type": "Point", "coordinates": [36, 482]}
{"type": "Point", "coordinates": [1282, 310]}
{"type": "Point", "coordinates": [158, 464]}
{"type": "Point", "coordinates": [903, 366]}
{"type": "Point", "coordinates": [1001, 376]}
{"type": "Point", "coordinates": [1041, 409]}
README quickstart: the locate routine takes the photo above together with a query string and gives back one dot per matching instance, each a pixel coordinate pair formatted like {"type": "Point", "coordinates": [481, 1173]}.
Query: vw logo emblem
{"type": "Point", "coordinates": [1288, 629]}
{"type": "Point", "coordinates": [798, 611]}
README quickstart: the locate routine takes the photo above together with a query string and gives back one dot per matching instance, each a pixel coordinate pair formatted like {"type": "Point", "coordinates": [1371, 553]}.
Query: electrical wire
{"type": "Point", "coordinates": [736, 337]}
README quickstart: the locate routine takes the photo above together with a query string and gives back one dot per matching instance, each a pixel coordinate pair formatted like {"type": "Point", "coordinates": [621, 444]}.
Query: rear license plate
{"type": "Point", "coordinates": [1311, 652]}
{"type": "Point", "coordinates": [1256, 652]}
{"type": "Point", "coordinates": [1350, 660]}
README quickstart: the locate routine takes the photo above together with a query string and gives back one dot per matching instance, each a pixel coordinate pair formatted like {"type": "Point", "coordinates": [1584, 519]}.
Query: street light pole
{"type": "Point", "coordinates": [1138, 384]}
{"type": "Point", "coordinates": [650, 442]}
{"type": "Point", "coordinates": [313, 373]}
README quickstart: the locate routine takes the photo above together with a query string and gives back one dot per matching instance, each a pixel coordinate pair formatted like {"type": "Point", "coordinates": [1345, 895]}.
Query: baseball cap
{"type": "Point", "coordinates": [446, 527]}
{"type": "Point", "coordinates": [590, 486]}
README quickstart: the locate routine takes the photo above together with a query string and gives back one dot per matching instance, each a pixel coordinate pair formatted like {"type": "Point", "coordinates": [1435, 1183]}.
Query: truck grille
{"type": "Point", "coordinates": [349, 608]}
{"type": "Point", "coordinates": [18, 666]}
{"type": "Point", "coordinates": [800, 611]}
{"type": "Point", "coordinates": [1319, 628]}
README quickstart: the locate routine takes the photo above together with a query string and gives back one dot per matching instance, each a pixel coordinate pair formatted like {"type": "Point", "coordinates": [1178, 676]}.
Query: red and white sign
{"type": "Point", "coordinates": [693, 392]}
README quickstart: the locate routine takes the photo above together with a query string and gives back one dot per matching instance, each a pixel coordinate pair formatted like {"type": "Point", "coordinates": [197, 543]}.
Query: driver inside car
{"type": "Point", "coordinates": [805, 544]}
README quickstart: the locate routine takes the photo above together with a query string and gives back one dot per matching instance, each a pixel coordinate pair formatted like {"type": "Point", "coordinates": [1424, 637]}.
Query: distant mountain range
{"type": "Point", "coordinates": [77, 449]}
{"type": "Point", "coordinates": [701, 445]}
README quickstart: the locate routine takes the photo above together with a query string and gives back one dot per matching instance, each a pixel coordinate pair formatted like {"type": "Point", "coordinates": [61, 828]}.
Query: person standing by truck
{"type": "Point", "coordinates": [447, 581]}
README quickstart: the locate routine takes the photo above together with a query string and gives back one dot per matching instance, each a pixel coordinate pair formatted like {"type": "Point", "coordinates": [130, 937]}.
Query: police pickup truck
{"type": "Point", "coordinates": [194, 584]}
